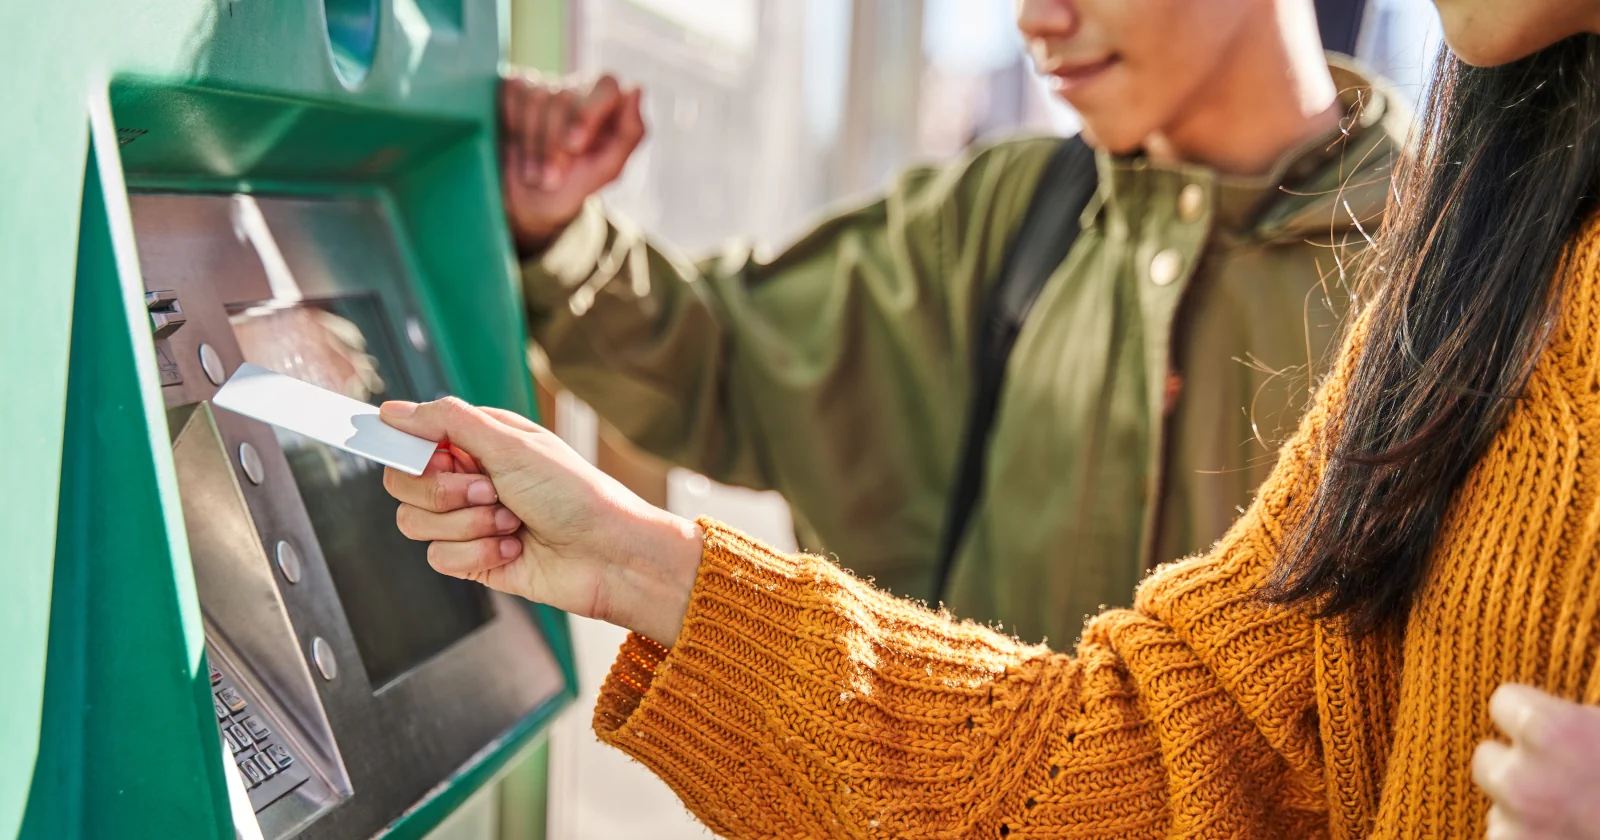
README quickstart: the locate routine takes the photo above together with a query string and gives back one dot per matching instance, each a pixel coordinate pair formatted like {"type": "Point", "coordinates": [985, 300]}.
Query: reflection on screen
{"type": "Point", "coordinates": [400, 610]}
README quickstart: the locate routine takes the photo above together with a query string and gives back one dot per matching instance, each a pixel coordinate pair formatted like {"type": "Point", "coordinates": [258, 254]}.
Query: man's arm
{"type": "Point", "coordinates": [852, 334]}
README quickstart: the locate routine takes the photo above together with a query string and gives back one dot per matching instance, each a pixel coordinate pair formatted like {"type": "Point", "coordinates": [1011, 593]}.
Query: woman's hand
{"type": "Point", "coordinates": [563, 533]}
{"type": "Point", "coordinates": [1546, 783]}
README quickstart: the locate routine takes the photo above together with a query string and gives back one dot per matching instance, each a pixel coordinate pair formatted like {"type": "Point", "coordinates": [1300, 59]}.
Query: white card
{"type": "Point", "coordinates": [317, 413]}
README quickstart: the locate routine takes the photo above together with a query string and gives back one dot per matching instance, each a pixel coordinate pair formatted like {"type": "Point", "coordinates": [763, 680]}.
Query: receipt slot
{"type": "Point", "coordinates": [240, 642]}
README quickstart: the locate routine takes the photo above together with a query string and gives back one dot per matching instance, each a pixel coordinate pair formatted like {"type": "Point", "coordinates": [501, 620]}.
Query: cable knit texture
{"type": "Point", "coordinates": [800, 702]}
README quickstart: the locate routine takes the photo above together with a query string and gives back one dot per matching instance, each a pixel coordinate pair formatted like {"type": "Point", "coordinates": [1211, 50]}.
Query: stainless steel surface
{"type": "Point", "coordinates": [397, 742]}
{"type": "Point", "coordinates": [167, 364]}
{"type": "Point", "coordinates": [211, 363]}
{"type": "Point", "coordinates": [322, 654]}
{"type": "Point", "coordinates": [415, 334]}
{"type": "Point", "coordinates": [250, 462]}
{"type": "Point", "coordinates": [288, 561]}
{"type": "Point", "coordinates": [247, 623]}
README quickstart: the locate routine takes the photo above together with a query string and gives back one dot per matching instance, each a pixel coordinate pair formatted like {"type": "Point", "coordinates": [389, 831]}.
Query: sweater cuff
{"type": "Point", "coordinates": [648, 685]}
{"type": "Point", "coordinates": [797, 697]}
{"type": "Point", "coordinates": [551, 277]}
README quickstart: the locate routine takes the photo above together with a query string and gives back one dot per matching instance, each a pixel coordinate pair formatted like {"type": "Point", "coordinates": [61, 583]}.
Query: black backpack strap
{"type": "Point", "coordinates": [1048, 231]}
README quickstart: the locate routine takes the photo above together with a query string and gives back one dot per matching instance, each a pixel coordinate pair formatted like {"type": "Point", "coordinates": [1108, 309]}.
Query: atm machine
{"type": "Point", "coordinates": [348, 678]}
{"type": "Point", "coordinates": [240, 642]}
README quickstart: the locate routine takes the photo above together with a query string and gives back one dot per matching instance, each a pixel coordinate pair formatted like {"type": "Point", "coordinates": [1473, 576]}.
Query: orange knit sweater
{"type": "Point", "coordinates": [801, 702]}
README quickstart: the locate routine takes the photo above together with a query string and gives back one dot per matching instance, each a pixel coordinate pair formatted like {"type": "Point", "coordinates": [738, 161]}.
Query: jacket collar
{"type": "Point", "coordinates": [1337, 183]}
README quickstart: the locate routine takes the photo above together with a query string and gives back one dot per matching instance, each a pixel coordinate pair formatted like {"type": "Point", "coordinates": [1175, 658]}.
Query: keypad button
{"type": "Point", "coordinates": [256, 728]}
{"type": "Point", "coordinates": [233, 746]}
{"type": "Point", "coordinates": [277, 753]}
{"type": "Point", "coordinates": [240, 735]}
{"type": "Point", "coordinates": [222, 711]}
{"type": "Point", "coordinates": [231, 698]}
{"type": "Point", "coordinates": [252, 773]}
{"type": "Point", "coordinates": [266, 765]}
{"type": "Point", "coordinates": [216, 676]}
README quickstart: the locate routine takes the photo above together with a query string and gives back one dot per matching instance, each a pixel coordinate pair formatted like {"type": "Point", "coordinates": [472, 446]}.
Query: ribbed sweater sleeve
{"type": "Point", "coordinates": [801, 702]}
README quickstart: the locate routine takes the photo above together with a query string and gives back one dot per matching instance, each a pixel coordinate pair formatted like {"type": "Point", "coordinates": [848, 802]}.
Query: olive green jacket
{"type": "Point", "coordinates": [1144, 400]}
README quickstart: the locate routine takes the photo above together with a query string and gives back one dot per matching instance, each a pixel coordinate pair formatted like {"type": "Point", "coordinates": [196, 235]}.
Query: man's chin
{"type": "Point", "coordinates": [1110, 141]}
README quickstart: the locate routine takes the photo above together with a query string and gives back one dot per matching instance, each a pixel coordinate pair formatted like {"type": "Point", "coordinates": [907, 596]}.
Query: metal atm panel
{"type": "Point", "coordinates": [380, 677]}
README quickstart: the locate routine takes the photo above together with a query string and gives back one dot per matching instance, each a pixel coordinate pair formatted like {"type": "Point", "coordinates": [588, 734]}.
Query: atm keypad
{"type": "Point", "coordinates": [264, 763]}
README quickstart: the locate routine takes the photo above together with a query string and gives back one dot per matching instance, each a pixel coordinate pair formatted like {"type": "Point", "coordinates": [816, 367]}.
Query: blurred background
{"type": "Point", "coordinates": [761, 114]}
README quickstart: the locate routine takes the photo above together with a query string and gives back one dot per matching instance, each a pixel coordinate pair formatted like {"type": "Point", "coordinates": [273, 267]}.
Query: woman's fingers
{"type": "Point", "coordinates": [1543, 782]}
{"type": "Point", "coordinates": [1494, 767]}
{"type": "Point", "coordinates": [457, 525]}
{"type": "Point", "coordinates": [474, 558]}
{"type": "Point", "coordinates": [1530, 717]}
{"type": "Point", "coordinates": [463, 462]}
{"type": "Point", "coordinates": [439, 491]}
{"type": "Point", "coordinates": [465, 426]}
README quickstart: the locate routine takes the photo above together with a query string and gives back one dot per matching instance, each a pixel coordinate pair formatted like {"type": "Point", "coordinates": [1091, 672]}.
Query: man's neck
{"type": "Point", "coordinates": [1274, 94]}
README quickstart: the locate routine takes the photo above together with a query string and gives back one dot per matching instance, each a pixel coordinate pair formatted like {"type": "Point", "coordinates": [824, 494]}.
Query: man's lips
{"type": "Point", "coordinates": [1064, 76]}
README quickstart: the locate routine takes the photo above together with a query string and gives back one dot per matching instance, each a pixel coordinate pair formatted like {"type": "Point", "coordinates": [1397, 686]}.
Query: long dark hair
{"type": "Point", "coordinates": [1466, 293]}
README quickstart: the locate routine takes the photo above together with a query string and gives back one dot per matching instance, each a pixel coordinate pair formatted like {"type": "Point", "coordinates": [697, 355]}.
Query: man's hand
{"type": "Point", "coordinates": [560, 143]}
{"type": "Point", "coordinates": [514, 508]}
{"type": "Point", "coordinates": [1546, 783]}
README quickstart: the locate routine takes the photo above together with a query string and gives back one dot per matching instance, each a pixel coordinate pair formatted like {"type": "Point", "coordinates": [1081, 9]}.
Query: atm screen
{"type": "Point", "coordinates": [401, 612]}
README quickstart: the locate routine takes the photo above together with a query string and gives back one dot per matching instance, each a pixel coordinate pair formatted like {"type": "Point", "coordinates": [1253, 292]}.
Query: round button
{"type": "Point", "coordinates": [211, 363]}
{"type": "Point", "coordinates": [1191, 202]}
{"type": "Point", "coordinates": [250, 460]}
{"type": "Point", "coordinates": [415, 335]}
{"type": "Point", "coordinates": [1165, 266]}
{"type": "Point", "coordinates": [288, 561]}
{"type": "Point", "coordinates": [322, 657]}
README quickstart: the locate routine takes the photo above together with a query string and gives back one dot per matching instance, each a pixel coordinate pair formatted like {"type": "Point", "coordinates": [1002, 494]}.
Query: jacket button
{"type": "Point", "coordinates": [1191, 202]}
{"type": "Point", "coordinates": [1164, 266]}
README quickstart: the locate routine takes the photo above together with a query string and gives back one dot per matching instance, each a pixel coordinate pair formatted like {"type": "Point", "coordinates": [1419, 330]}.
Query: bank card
{"type": "Point", "coordinates": [322, 415]}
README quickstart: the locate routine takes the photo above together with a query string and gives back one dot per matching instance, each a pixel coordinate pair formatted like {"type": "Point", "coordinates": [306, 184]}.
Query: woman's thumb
{"type": "Point", "coordinates": [480, 435]}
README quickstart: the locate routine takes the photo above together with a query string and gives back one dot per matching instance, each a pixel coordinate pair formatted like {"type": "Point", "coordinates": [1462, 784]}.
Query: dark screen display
{"type": "Point", "coordinates": [401, 611]}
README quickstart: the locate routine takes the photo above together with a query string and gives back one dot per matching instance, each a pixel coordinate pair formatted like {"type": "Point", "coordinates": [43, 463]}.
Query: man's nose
{"type": "Point", "coordinates": [1047, 20]}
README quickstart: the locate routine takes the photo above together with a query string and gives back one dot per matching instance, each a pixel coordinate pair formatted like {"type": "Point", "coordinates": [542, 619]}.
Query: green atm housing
{"type": "Point", "coordinates": [214, 629]}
